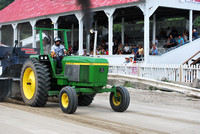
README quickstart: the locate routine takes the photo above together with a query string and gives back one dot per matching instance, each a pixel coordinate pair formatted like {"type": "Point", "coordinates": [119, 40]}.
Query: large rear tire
{"type": "Point", "coordinates": [85, 100]}
{"type": "Point", "coordinates": [121, 102]}
{"type": "Point", "coordinates": [34, 83]}
{"type": "Point", "coordinates": [68, 100]}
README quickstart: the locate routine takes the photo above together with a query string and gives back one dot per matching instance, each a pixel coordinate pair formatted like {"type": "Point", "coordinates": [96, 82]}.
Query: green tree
{"type": "Point", "coordinates": [197, 21]}
{"type": "Point", "coordinates": [5, 3]}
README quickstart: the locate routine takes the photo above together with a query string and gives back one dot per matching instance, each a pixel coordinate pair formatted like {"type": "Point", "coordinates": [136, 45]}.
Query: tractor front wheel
{"type": "Point", "coordinates": [121, 102]}
{"type": "Point", "coordinates": [68, 100]}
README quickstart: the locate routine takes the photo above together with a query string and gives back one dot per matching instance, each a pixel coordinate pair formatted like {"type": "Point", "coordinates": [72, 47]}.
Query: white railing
{"type": "Point", "coordinates": [180, 73]}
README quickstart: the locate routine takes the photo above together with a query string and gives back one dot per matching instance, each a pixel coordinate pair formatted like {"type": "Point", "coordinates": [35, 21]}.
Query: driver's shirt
{"type": "Point", "coordinates": [59, 50]}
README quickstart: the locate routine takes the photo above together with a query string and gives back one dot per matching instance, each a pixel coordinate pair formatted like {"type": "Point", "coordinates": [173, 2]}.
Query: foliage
{"type": "Point", "coordinates": [117, 28]}
{"type": "Point", "coordinates": [5, 3]}
{"type": "Point", "coordinates": [197, 21]}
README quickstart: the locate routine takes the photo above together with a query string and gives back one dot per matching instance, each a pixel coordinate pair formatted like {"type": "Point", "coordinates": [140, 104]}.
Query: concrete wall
{"type": "Point", "coordinates": [178, 55]}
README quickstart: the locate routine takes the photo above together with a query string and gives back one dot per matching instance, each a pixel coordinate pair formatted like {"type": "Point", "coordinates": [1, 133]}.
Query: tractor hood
{"type": "Point", "coordinates": [83, 60]}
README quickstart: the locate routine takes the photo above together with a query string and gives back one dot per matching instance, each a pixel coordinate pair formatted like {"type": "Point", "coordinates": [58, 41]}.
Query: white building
{"type": "Point", "coordinates": [23, 15]}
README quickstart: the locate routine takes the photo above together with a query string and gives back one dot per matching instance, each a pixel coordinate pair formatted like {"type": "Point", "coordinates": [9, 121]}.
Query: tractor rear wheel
{"type": "Point", "coordinates": [68, 100]}
{"type": "Point", "coordinates": [121, 102]}
{"type": "Point", "coordinates": [85, 100]}
{"type": "Point", "coordinates": [34, 83]}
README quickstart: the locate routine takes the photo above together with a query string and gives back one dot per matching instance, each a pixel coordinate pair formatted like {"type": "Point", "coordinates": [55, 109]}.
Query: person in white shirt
{"type": "Point", "coordinates": [126, 49]}
{"type": "Point", "coordinates": [58, 51]}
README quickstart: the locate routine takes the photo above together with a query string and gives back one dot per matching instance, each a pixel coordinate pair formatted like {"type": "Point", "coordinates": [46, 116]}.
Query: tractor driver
{"type": "Point", "coordinates": [58, 51]}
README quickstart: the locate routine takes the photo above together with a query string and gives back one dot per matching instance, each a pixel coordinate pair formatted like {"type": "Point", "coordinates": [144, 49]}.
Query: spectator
{"type": "Point", "coordinates": [172, 42]}
{"type": "Point", "coordinates": [126, 49]}
{"type": "Point", "coordinates": [84, 53]}
{"type": "Point", "coordinates": [167, 44]}
{"type": "Point", "coordinates": [154, 50]}
{"type": "Point", "coordinates": [180, 40]}
{"type": "Point", "coordinates": [103, 52]}
{"type": "Point", "coordinates": [186, 32]}
{"type": "Point", "coordinates": [120, 47]}
{"type": "Point", "coordinates": [185, 38]}
{"type": "Point", "coordinates": [98, 51]}
{"type": "Point", "coordinates": [194, 34]}
{"type": "Point", "coordinates": [119, 52]}
{"type": "Point", "coordinates": [130, 61]}
{"type": "Point", "coordinates": [140, 51]}
{"type": "Point", "coordinates": [126, 61]}
{"type": "Point", "coordinates": [135, 52]}
{"type": "Point", "coordinates": [156, 42]}
{"type": "Point", "coordinates": [131, 49]}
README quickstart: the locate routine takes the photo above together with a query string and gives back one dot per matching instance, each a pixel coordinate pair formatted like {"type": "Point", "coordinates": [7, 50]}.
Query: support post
{"type": "Point", "coordinates": [123, 31]}
{"type": "Point", "coordinates": [146, 37]}
{"type": "Point", "coordinates": [79, 16]}
{"type": "Point", "coordinates": [14, 33]}
{"type": "Point", "coordinates": [154, 29]}
{"type": "Point", "coordinates": [190, 25]}
{"type": "Point", "coordinates": [33, 22]}
{"type": "Point", "coordinates": [109, 13]}
{"type": "Point", "coordinates": [88, 44]}
{"type": "Point", "coordinates": [95, 25]}
{"type": "Point", "coordinates": [80, 37]}
{"type": "Point", "coordinates": [55, 25]}
{"type": "Point", "coordinates": [72, 35]}
{"type": "Point", "coordinates": [18, 33]}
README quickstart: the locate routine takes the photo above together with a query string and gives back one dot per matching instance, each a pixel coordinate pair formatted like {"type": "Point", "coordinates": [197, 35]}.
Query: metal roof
{"type": "Point", "coordinates": [25, 9]}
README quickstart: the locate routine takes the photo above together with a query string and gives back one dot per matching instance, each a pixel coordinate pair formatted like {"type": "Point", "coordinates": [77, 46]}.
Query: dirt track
{"type": "Point", "coordinates": [149, 112]}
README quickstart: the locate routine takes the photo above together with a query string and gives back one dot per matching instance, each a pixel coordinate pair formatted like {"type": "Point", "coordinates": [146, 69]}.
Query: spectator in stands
{"type": "Point", "coordinates": [135, 52]}
{"type": "Point", "coordinates": [131, 49]}
{"type": "Point", "coordinates": [167, 44]}
{"type": "Point", "coordinates": [172, 41]}
{"type": "Point", "coordinates": [186, 32]}
{"type": "Point", "coordinates": [120, 47]}
{"type": "Point", "coordinates": [194, 34]}
{"type": "Point", "coordinates": [103, 52]}
{"type": "Point", "coordinates": [126, 61]}
{"type": "Point", "coordinates": [119, 52]}
{"type": "Point", "coordinates": [84, 53]}
{"type": "Point", "coordinates": [130, 61]}
{"type": "Point", "coordinates": [154, 50]}
{"type": "Point", "coordinates": [140, 51]}
{"type": "Point", "coordinates": [180, 40]}
{"type": "Point", "coordinates": [185, 38]}
{"type": "Point", "coordinates": [126, 49]}
{"type": "Point", "coordinates": [156, 42]}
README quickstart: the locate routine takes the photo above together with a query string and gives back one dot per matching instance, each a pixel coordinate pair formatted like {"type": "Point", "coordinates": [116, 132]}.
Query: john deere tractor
{"type": "Point", "coordinates": [80, 79]}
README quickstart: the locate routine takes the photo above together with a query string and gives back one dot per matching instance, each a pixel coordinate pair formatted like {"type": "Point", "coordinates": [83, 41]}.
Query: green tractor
{"type": "Point", "coordinates": [80, 79]}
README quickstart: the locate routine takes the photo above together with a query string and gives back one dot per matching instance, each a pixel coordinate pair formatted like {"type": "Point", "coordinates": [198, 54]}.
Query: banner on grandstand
{"type": "Point", "coordinates": [191, 1]}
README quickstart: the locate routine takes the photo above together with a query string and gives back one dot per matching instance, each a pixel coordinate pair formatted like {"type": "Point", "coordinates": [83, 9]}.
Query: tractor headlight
{"type": "Point", "coordinates": [41, 57]}
{"type": "Point", "coordinates": [45, 57]}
